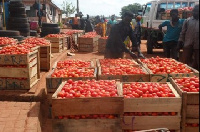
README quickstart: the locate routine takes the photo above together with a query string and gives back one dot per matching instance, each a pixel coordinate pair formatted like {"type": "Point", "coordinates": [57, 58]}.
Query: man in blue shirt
{"type": "Point", "coordinates": [170, 41]}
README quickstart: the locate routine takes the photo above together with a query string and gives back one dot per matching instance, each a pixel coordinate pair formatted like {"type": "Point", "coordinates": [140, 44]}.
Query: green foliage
{"type": "Point", "coordinates": [132, 8]}
{"type": "Point", "coordinates": [68, 8]}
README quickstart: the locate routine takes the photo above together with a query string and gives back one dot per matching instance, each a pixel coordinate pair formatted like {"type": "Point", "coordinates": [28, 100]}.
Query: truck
{"type": "Point", "coordinates": [156, 12]}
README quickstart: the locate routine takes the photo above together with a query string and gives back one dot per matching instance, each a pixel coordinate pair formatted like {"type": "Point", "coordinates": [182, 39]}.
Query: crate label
{"type": "Point", "coordinates": [12, 84]}
{"type": "Point", "coordinates": [14, 60]}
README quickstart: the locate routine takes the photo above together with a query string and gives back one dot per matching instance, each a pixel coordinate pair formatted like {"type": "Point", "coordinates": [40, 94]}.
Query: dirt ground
{"type": "Point", "coordinates": [47, 122]}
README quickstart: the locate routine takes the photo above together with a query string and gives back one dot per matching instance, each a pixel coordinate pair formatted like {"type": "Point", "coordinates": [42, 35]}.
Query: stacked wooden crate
{"type": "Point", "coordinates": [56, 44]}
{"type": "Point", "coordinates": [88, 44]}
{"type": "Point", "coordinates": [45, 58]}
{"type": "Point", "coordinates": [102, 44]}
{"type": "Point", "coordinates": [190, 107]}
{"type": "Point", "coordinates": [145, 113]}
{"type": "Point", "coordinates": [20, 71]}
{"type": "Point", "coordinates": [62, 108]}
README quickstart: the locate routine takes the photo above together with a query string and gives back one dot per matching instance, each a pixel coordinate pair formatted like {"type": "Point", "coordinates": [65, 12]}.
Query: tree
{"type": "Point", "coordinates": [68, 8]}
{"type": "Point", "coordinates": [132, 8]}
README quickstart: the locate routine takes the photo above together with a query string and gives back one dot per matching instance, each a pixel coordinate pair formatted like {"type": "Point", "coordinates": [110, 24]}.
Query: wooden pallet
{"type": "Point", "coordinates": [45, 58]}
{"type": "Point", "coordinates": [18, 78]}
{"type": "Point", "coordinates": [165, 77]}
{"type": "Point", "coordinates": [53, 83]}
{"type": "Point", "coordinates": [126, 78]}
{"type": "Point", "coordinates": [85, 106]}
{"type": "Point", "coordinates": [190, 108]}
{"type": "Point", "coordinates": [152, 105]}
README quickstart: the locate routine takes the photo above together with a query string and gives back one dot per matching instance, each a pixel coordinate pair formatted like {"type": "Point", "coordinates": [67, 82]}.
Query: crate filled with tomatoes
{"type": "Point", "coordinates": [126, 70]}
{"type": "Point", "coordinates": [4, 41]}
{"type": "Point", "coordinates": [73, 63]}
{"type": "Point", "coordinates": [45, 51]}
{"type": "Point", "coordinates": [88, 42]}
{"type": "Point", "coordinates": [188, 88]}
{"type": "Point", "coordinates": [57, 42]}
{"type": "Point", "coordinates": [149, 105]}
{"type": "Point", "coordinates": [57, 76]}
{"type": "Point", "coordinates": [19, 66]}
{"type": "Point", "coordinates": [161, 69]}
{"type": "Point", "coordinates": [92, 106]}
{"type": "Point", "coordinates": [102, 44]}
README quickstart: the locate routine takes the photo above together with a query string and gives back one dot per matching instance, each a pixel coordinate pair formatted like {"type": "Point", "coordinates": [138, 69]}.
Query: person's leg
{"type": "Point", "coordinates": [187, 55]}
{"type": "Point", "coordinates": [174, 52]}
{"type": "Point", "coordinates": [166, 49]}
{"type": "Point", "coordinates": [195, 63]}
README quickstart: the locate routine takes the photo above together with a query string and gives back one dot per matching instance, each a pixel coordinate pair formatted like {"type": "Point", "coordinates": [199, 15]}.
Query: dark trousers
{"type": "Point", "coordinates": [170, 49]}
{"type": "Point", "coordinates": [111, 55]}
{"type": "Point", "coordinates": [191, 57]}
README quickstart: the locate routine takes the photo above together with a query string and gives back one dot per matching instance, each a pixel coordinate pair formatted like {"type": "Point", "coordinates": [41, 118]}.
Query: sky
{"type": "Point", "coordinates": [100, 7]}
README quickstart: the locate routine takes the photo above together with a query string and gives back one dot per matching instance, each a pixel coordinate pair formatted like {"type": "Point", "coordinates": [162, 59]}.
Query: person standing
{"type": "Point", "coordinates": [170, 41]}
{"type": "Point", "coordinates": [110, 23]}
{"type": "Point", "coordinates": [115, 46]}
{"type": "Point", "coordinates": [189, 39]}
{"type": "Point", "coordinates": [88, 27]}
{"type": "Point", "coordinates": [138, 30]}
{"type": "Point", "coordinates": [75, 22]}
{"type": "Point", "coordinates": [82, 22]}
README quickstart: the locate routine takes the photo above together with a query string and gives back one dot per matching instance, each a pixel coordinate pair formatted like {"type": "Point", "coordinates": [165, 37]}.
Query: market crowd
{"type": "Point", "coordinates": [180, 34]}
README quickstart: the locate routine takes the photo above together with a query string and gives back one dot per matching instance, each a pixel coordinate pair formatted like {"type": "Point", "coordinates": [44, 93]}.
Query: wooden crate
{"type": "Point", "coordinates": [53, 83]}
{"type": "Point", "coordinates": [88, 47]}
{"type": "Point", "coordinates": [75, 38]}
{"type": "Point", "coordinates": [66, 42]}
{"type": "Point", "coordinates": [126, 78]}
{"type": "Point", "coordinates": [45, 58]}
{"type": "Point", "coordinates": [82, 40]}
{"type": "Point", "coordinates": [169, 104]}
{"type": "Point", "coordinates": [165, 77]}
{"type": "Point", "coordinates": [101, 45]}
{"type": "Point", "coordinates": [190, 108]}
{"type": "Point", "coordinates": [85, 106]}
{"type": "Point", "coordinates": [19, 78]}
{"type": "Point", "coordinates": [57, 44]}
{"type": "Point", "coordinates": [87, 125]}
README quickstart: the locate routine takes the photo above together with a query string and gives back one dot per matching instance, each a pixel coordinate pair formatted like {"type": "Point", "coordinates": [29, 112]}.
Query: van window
{"type": "Point", "coordinates": [148, 7]}
{"type": "Point", "coordinates": [163, 5]}
{"type": "Point", "coordinates": [191, 4]}
{"type": "Point", "coordinates": [177, 5]}
{"type": "Point", "coordinates": [184, 4]}
{"type": "Point", "coordinates": [170, 6]}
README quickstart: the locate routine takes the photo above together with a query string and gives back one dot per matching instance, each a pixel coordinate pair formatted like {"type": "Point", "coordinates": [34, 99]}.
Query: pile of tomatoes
{"type": "Point", "coordinates": [121, 70]}
{"type": "Point", "coordinates": [89, 88]}
{"type": "Point", "coordinates": [6, 40]}
{"type": "Point", "coordinates": [116, 62]}
{"type": "Point", "coordinates": [74, 72]}
{"type": "Point", "coordinates": [97, 116]}
{"type": "Point", "coordinates": [192, 125]}
{"type": "Point", "coordinates": [55, 35]}
{"type": "Point", "coordinates": [73, 63]}
{"type": "Point", "coordinates": [165, 66]}
{"type": "Point", "coordinates": [70, 32]}
{"type": "Point", "coordinates": [15, 49]}
{"type": "Point", "coordinates": [188, 84]}
{"type": "Point", "coordinates": [90, 35]}
{"type": "Point", "coordinates": [104, 37]}
{"type": "Point", "coordinates": [147, 90]}
{"type": "Point", "coordinates": [37, 41]}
